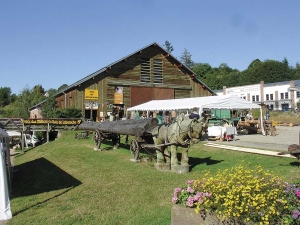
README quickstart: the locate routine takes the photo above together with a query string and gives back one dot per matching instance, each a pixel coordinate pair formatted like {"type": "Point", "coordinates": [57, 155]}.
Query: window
{"type": "Point", "coordinates": [298, 94]}
{"type": "Point", "coordinates": [267, 97]}
{"type": "Point", "coordinates": [281, 96]}
{"type": "Point", "coordinates": [149, 69]}
{"type": "Point", "coordinates": [257, 98]}
{"type": "Point", "coordinates": [157, 71]}
{"type": "Point", "coordinates": [271, 97]}
{"type": "Point", "coordinates": [244, 97]}
{"type": "Point", "coordinates": [145, 70]}
{"type": "Point", "coordinates": [253, 98]}
{"type": "Point", "coordinates": [285, 107]}
{"type": "Point", "coordinates": [286, 95]}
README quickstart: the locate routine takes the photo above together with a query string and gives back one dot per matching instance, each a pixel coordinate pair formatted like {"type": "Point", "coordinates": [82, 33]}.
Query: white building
{"type": "Point", "coordinates": [276, 96]}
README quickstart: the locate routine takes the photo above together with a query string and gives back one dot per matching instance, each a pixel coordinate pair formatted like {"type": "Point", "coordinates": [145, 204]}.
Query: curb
{"type": "Point", "coordinates": [249, 150]}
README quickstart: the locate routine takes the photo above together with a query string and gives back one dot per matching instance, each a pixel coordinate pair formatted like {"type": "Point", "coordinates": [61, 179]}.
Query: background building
{"type": "Point", "coordinates": [276, 96]}
{"type": "Point", "coordinates": [150, 73]}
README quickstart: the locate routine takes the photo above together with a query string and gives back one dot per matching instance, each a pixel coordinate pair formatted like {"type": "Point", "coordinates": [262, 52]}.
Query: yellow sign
{"type": "Point", "coordinates": [91, 94]}
{"type": "Point", "coordinates": [53, 121]}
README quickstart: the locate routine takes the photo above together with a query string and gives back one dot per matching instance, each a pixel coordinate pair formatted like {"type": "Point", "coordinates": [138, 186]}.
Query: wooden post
{"type": "Point", "coordinates": [22, 142]}
{"type": "Point", "coordinates": [48, 132]}
{"type": "Point", "coordinates": [22, 139]}
{"type": "Point", "coordinates": [91, 106]}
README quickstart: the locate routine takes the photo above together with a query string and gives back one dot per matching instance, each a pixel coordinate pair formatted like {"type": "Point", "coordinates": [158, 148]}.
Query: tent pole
{"type": "Point", "coordinates": [261, 122]}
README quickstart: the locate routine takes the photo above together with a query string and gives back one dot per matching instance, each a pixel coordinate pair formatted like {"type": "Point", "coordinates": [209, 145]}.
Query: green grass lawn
{"type": "Point", "coordinates": [67, 182]}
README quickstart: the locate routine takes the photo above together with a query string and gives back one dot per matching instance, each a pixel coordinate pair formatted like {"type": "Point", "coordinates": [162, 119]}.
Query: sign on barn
{"type": "Point", "coordinates": [90, 94]}
{"type": "Point", "coordinates": [118, 95]}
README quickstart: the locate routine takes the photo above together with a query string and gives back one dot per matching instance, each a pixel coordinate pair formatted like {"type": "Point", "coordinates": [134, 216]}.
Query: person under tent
{"type": "Point", "coordinates": [194, 114]}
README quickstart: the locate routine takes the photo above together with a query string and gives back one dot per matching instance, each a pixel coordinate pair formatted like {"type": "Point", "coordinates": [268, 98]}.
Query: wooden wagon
{"type": "Point", "coordinates": [112, 130]}
{"type": "Point", "coordinates": [253, 126]}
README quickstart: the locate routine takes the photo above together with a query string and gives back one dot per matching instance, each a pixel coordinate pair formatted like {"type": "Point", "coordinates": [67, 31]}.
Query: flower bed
{"type": "Point", "coordinates": [243, 195]}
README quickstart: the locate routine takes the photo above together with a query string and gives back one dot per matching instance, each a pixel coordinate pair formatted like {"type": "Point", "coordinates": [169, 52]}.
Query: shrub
{"type": "Point", "coordinates": [292, 213]}
{"type": "Point", "coordinates": [243, 194]}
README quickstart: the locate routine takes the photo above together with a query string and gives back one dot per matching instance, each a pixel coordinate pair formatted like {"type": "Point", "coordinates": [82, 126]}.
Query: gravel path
{"type": "Point", "coordinates": [285, 136]}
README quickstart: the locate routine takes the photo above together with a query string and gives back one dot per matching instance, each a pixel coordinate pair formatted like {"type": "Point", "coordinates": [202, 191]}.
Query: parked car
{"type": "Point", "coordinates": [30, 140]}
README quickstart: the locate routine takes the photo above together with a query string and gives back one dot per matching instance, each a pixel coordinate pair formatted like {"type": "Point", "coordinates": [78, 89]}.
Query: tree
{"type": "Point", "coordinates": [186, 59]}
{"type": "Point", "coordinates": [62, 87]}
{"type": "Point", "coordinates": [296, 75]}
{"type": "Point", "coordinates": [50, 92]}
{"type": "Point", "coordinates": [5, 96]}
{"type": "Point", "coordinates": [201, 70]}
{"type": "Point", "coordinates": [71, 113]}
{"type": "Point", "coordinates": [269, 71]}
{"type": "Point", "coordinates": [50, 108]}
{"type": "Point", "coordinates": [169, 48]}
{"type": "Point", "coordinates": [27, 99]}
{"type": "Point", "coordinates": [254, 64]}
{"type": "Point", "coordinates": [38, 89]}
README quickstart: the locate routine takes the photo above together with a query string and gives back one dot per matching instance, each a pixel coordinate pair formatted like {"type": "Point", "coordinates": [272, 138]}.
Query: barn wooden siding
{"type": "Point", "coordinates": [177, 82]}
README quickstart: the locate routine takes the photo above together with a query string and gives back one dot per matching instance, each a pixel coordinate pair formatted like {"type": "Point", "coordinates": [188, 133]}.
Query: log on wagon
{"type": "Point", "coordinates": [111, 130]}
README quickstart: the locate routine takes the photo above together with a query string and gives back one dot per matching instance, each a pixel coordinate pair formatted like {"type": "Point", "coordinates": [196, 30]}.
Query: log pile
{"type": "Point", "coordinates": [254, 126]}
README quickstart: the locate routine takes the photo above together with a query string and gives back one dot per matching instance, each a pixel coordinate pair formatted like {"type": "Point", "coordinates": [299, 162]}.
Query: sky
{"type": "Point", "coordinates": [51, 43]}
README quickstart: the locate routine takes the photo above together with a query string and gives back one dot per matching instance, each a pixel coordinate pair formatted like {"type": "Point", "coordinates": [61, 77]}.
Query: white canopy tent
{"type": "Point", "coordinates": [210, 102]}
{"type": "Point", "coordinates": [5, 212]}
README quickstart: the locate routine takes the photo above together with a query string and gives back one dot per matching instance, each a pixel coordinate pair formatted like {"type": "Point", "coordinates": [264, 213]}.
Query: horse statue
{"type": "Point", "coordinates": [177, 133]}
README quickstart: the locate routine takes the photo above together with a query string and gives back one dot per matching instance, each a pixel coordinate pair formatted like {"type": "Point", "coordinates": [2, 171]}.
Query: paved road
{"type": "Point", "coordinates": [285, 136]}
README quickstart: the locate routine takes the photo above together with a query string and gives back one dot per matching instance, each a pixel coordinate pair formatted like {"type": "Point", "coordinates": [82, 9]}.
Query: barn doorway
{"type": "Point", "coordinates": [139, 95]}
{"type": "Point", "coordinates": [89, 116]}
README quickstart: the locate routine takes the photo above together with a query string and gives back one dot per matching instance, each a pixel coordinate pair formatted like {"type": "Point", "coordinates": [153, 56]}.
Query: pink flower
{"type": "Point", "coordinates": [298, 193]}
{"type": "Point", "coordinates": [295, 214]}
{"type": "Point", "coordinates": [190, 190]}
{"type": "Point", "coordinates": [174, 199]}
{"type": "Point", "coordinates": [198, 196]}
{"type": "Point", "coordinates": [208, 194]}
{"type": "Point", "coordinates": [189, 181]}
{"type": "Point", "coordinates": [190, 202]}
{"type": "Point", "coordinates": [177, 190]}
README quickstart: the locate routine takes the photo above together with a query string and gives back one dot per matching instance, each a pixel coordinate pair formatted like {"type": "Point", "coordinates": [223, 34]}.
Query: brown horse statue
{"type": "Point", "coordinates": [178, 133]}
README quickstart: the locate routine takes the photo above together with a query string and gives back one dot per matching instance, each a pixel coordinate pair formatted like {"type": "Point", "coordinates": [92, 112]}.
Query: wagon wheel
{"type": "Point", "coordinates": [134, 149]}
{"type": "Point", "coordinates": [116, 140]}
{"type": "Point", "coordinates": [97, 139]}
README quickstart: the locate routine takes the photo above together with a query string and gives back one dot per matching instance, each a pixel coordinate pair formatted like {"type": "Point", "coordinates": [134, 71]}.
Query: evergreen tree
{"type": "Point", "coordinates": [296, 75]}
{"type": "Point", "coordinates": [169, 48]}
{"type": "Point", "coordinates": [186, 59]}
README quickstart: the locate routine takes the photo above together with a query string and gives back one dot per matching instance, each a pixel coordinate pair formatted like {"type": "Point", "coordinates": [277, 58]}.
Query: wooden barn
{"type": "Point", "coordinates": [150, 73]}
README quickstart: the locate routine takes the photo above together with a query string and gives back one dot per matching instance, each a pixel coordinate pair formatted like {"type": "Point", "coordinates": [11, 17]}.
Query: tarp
{"type": "Point", "coordinates": [14, 133]}
{"type": "Point", "coordinates": [210, 102]}
{"type": "Point", "coordinates": [5, 212]}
